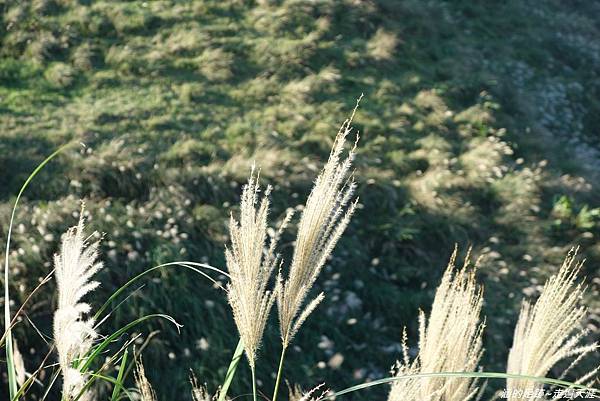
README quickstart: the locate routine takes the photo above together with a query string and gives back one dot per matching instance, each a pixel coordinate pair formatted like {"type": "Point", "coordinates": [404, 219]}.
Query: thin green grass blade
{"type": "Point", "coordinates": [235, 360]}
{"type": "Point", "coordinates": [29, 297]}
{"type": "Point", "coordinates": [109, 362]}
{"type": "Point", "coordinates": [12, 377]}
{"type": "Point", "coordinates": [119, 382]}
{"type": "Point", "coordinates": [102, 346]}
{"type": "Point", "coordinates": [51, 384]}
{"type": "Point", "coordinates": [480, 375]}
{"type": "Point", "coordinates": [115, 382]}
{"type": "Point", "coordinates": [190, 265]}
{"type": "Point", "coordinates": [95, 352]}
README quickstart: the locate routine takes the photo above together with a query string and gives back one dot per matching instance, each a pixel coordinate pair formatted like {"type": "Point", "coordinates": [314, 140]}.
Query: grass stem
{"type": "Point", "coordinates": [279, 371]}
{"type": "Point", "coordinates": [10, 365]}
{"type": "Point", "coordinates": [253, 369]}
{"type": "Point", "coordinates": [235, 360]}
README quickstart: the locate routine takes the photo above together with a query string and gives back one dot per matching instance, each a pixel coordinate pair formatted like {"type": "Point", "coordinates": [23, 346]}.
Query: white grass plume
{"type": "Point", "coordinates": [250, 267]}
{"type": "Point", "coordinates": [325, 216]}
{"type": "Point", "coordinates": [295, 393]}
{"type": "Point", "coordinates": [142, 383]}
{"type": "Point", "coordinates": [449, 341]}
{"type": "Point", "coordinates": [549, 331]}
{"type": "Point", "coordinates": [73, 334]}
{"type": "Point", "coordinates": [199, 391]}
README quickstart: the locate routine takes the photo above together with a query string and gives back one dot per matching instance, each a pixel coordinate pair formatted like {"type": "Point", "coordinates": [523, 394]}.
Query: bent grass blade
{"type": "Point", "coordinates": [12, 378]}
{"type": "Point", "coordinates": [486, 375]}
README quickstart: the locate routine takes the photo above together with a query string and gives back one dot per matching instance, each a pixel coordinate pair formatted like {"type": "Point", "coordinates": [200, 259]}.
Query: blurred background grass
{"type": "Point", "coordinates": [479, 126]}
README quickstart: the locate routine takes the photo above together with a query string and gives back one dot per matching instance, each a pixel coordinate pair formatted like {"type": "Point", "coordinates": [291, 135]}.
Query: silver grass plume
{"type": "Point", "coordinates": [142, 383]}
{"type": "Point", "coordinates": [549, 331]}
{"type": "Point", "coordinates": [250, 267]}
{"type": "Point", "coordinates": [449, 341]}
{"type": "Point", "coordinates": [297, 394]}
{"type": "Point", "coordinates": [325, 216]}
{"type": "Point", "coordinates": [73, 333]}
{"type": "Point", "coordinates": [199, 391]}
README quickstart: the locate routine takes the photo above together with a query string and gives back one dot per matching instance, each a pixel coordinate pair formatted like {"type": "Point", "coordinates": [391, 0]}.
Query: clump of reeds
{"type": "Point", "coordinates": [75, 265]}
{"type": "Point", "coordinates": [549, 331]}
{"type": "Point", "coordinates": [450, 340]}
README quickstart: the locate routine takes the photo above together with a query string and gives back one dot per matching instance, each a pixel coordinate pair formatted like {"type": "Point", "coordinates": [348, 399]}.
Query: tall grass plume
{"type": "Point", "coordinates": [549, 331]}
{"type": "Point", "coordinates": [75, 265]}
{"type": "Point", "coordinates": [325, 216]}
{"type": "Point", "coordinates": [250, 268]}
{"type": "Point", "coordinates": [450, 340]}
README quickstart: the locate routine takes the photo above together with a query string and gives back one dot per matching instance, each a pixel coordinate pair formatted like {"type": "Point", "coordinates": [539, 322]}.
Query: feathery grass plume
{"type": "Point", "coordinates": [324, 218]}
{"type": "Point", "coordinates": [297, 394]}
{"type": "Point", "coordinates": [449, 341]}
{"type": "Point", "coordinates": [199, 392]}
{"type": "Point", "coordinates": [250, 267]}
{"type": "Point", "coordinates": [549, 331]}
{"type": "Point", "coordinates": [141, 381]}
{"type": "Point", "coordinates": [73, 334]}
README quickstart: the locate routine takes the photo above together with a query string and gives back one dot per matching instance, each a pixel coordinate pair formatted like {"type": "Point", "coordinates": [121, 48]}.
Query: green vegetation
{"type": "Point", "coordinates": [478, 126]}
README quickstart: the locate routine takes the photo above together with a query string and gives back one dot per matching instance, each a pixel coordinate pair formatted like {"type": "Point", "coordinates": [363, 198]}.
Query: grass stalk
{"type": "Point", "coordinates": [235, 360]}
{"type": "Point", "coordinates": [279, 374]}
{"type": "Point", "coordinates": [97, 351]}
{"type": "Point", "coordinates": [189, 265]}
{"type": "Point", "coordinates": [119, 382]}
{"type": "Point", "coordinates": [253, 369]}
{"type": "Point", "coordinates": [479, 375]}
{"type": "Point", "coordinates": [10, 366]}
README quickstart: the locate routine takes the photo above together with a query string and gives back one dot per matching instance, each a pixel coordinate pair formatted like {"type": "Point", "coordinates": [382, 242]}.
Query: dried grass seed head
{"type": "Point", "coordinates": [549, 331]}
{"type": "Point", "coordinates": [142, 383]}
{"type": "Point", "coordinates": [324, 218]}
{"type": "Point", "coordinates": [450, 340]}
{"type": "Point", "coordinates": [75, 265]}
{"type": "Point", "coordinates": [250, 264]}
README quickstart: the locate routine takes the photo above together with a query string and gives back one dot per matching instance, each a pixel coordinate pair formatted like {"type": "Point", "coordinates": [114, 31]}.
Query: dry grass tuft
{"type": "Point", "coordinates": [73, 334]}
{"type": "Point", "coordinates": [382, 45]}
{"type": "Point", "coordinates": [549, 331]}
{"type": "Point", "coordinates": [449, 341]}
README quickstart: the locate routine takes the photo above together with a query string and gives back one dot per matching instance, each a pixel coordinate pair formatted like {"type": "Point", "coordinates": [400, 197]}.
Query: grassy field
{"type": "Point", "coordinates": [479, 126]}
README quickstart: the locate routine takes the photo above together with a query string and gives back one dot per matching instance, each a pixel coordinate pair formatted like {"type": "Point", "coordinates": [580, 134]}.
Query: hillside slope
{"type": "Point", "coordinates": [479, 126]}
